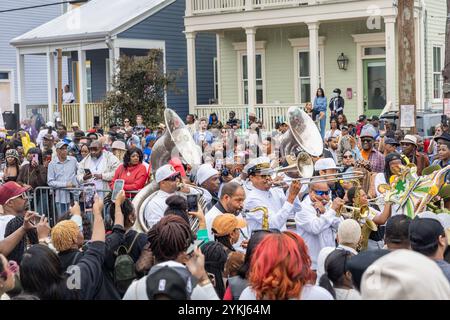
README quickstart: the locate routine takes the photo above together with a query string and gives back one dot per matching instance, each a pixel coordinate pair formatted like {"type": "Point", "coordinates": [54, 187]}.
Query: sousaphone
{"type": "Point", "coordinates": [176, 141]}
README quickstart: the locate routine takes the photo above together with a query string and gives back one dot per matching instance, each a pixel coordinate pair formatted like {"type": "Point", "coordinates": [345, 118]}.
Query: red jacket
{"type": "Point", "coordinates": [135, 177]}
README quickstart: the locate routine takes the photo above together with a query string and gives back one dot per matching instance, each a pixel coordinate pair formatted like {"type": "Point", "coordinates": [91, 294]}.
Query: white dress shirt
{"type": "Point", "coordinates": [317, 231]}
{"type": "Point", "coordinates": [280, 210]}
{"type": "Point", "coordinates": [155, 208]}
{"type": "Point", "coordinates": [212, 214]}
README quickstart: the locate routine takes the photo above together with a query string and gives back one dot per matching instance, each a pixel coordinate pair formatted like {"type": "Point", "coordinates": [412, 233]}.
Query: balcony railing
{"type": "Point", "coordinates": [268, 114]}
{"type": "Point", "coordinates": [200, 7]}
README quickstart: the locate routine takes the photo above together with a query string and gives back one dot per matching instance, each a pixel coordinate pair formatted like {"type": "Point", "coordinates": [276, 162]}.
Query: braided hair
{"type": "Point", "coordinates": [215, 259]}
{"type": "Point", "coordinates": [169, 237]}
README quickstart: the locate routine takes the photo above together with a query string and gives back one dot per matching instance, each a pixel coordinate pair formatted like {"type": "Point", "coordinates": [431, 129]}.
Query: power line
{"type": "Point", "coordinates": [44, 5]}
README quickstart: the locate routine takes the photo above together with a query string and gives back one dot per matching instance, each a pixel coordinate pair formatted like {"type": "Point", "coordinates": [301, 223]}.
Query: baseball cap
{"type": "Point", "coordinates": [61, 144]}
{"type": "Point", "coordinates": [344, 127]}
{"type": "Point", "coordinates": [167, 281]}
{"type": "Point", "coordinates": [204, 172]}
{"type": "Point", "coordinates": [50, 124]}
{"type": "Point", "coordinates": [424, 233]}
{"type": "Point", "coordinates": [226, 223]}
{"type": "Point", "coordinates": [368, 132]}
{"type": "Point", "coordinates": [445, 136]}
{"type": "Point", "coordinates": [11, 190]}
{"type": "Point", "coordinates": [375, 118]}
{"type": "Point", "coordinates": [79, 134]}
{"type": "Point", "coordinates": [166, 171]}
{"type": "Point", "coordinates": [161, 126]}
{"type": "Point", "coordinates": [404, 274]}
{"type": "Point", "coordinates": [325, 164]}
{"type": "Point", "coordinates": [391, 141]}
{"type": "Point", "coordinates": [443, 218]}
{"type": "Point", "coordinates": [409, 138]}
{"type": "Point", "coordinates": [358, 264]}
{"type": "Point", "coordinates": [362, 117]}
{"type": "Point", "coordinates": [75, 124]}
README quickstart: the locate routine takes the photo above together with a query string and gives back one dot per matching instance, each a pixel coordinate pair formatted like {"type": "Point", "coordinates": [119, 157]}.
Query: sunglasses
{"type": "Point", "coordinates": [321, 193]}
{"type": "Point", "coordinates": [348, 157]}
{"type": "Point", "coordinates": [126, 121]}
{"type": "Point", "coordinates": [172, 178]}
{"type": "Point", "coordinates": [366, 140]}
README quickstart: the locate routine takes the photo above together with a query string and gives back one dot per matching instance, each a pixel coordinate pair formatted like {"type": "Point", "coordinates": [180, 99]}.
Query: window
{"type": "Point", "coordinates": [4, 75]}
{"type": "Point", "coordinates": [259, 79]}
{"type": "Point", "coordinates": [304, 76]}
{"type": "Point", "coordinates": [437, 73]}
{"type": "Point", "coordinates": [216, 80]}
{"type": "Point", "coordinates": [88, 81]}
{"type": "Point", "coordinates": [375, 51]}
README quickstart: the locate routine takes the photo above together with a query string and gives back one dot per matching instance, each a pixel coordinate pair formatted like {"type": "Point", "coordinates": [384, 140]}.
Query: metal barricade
{"type": "Point", "coordinates": [42, 200]}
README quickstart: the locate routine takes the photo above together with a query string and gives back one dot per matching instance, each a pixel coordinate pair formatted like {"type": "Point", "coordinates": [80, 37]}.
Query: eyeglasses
{"type": "Point", "coordinates": [348, 157]}
{"type": "Point", "coordinates": [321, 192]}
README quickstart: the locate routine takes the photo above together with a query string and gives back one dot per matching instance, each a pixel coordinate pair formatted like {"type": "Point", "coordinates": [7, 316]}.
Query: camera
{"type": "Point", "coordinates": [225, 172]}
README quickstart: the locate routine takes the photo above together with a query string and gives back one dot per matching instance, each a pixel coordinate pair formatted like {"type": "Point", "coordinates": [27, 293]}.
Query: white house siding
{"type": "Point", "coordinates": [13, 24]}
{"type": "Point", "coordinates": [434, 35]}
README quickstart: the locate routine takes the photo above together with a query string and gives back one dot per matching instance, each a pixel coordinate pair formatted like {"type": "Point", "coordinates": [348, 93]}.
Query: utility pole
{"type": "Point", "coordinates": [406, 56]}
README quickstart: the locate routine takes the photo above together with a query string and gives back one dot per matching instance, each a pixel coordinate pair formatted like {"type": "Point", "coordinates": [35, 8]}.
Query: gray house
{"type": "Point", "coordinates": [13, 24]}
{"type": "Point", "coordinates": [94, 35]}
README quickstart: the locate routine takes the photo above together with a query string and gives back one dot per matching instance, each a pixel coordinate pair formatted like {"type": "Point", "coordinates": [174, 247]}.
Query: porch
{"type": "Point", "coordinates": [264, 46]}
{"type": "Point", "coordinates": [70, 113]}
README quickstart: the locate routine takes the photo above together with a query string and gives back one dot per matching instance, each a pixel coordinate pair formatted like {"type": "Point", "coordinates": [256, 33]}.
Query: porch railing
{"type": "Point", "coordinates": [70, 113]}
{"type": "Point", "coordinates": [268, 114]}
{"type": "Point", "coordinates": [198, 7]}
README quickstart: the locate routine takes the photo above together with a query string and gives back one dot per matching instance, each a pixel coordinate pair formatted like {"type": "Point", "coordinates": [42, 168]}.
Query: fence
{"type": "Point", "coordinates": [42, 201]}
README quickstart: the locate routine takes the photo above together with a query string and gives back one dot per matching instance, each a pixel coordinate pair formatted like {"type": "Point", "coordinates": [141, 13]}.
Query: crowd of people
{"type": "Point", "coordinates": [255, 234]}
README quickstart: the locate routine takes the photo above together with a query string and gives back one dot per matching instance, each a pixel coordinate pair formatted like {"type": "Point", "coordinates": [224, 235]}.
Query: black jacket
{"type": "Point", "coordinates": [339, 108]}
{"type": "Point", "coordinates": [95, 283]}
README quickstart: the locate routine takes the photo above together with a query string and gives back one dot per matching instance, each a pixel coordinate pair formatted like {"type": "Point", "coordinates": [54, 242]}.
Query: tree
{"type": "Point", "coordinates": [139, 88]}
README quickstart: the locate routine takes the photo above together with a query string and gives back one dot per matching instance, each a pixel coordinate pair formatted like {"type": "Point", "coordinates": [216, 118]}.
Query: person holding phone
{"type": "Point", "coordinates": [98, 167]}
{"type": "Point", "coordinates": [62, 174]}
{"type": "Point", "coordinates": [132, 171]}
{"type": "Point", "coordinates": [34, 173]}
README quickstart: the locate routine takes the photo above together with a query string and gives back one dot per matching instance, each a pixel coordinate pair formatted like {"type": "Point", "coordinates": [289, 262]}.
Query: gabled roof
{"type": "Point", "coordinates": [95, 19]}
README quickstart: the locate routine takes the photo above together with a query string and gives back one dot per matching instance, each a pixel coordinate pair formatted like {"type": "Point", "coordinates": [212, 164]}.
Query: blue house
{"type": "Point", "coordinates": [94, 35]}
{"type": "Point", "coordinates": [13, 24]}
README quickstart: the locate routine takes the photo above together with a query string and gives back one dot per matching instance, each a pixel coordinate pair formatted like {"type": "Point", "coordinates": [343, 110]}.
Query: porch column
{"type": "Point", "coordinates": [82, 87]}
{"type": "Point", "coordinates": [391, 69]}
{"type": "Point", "coordinates": [21, 99]}
{"type": "Point", "coordinates": [251, 68]}
{"type": "Point", "coordinates": [313, 28]}
{"type": "Point", "coordinates": [51, 83]}
{"type": "Point", "coordinates": [192, 76]}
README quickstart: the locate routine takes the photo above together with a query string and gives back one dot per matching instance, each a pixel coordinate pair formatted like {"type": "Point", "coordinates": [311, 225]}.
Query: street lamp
{"type": "Point", "coordinates": [342, 62]}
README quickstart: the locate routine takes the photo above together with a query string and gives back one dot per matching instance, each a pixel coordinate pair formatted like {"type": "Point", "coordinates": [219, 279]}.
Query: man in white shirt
{"type": "Point", "coordinates": [260, 196]}
{"type": "Point", "coordinates": [317, 222]}
{"type": "Point", "coordinates": [68, 96]}
{"type": "Point", "coordinates": [167, 179]}
{"type": "Point", "coordinates": [98, 167]}
{"type": "Point", "coordinates": [231, 201]}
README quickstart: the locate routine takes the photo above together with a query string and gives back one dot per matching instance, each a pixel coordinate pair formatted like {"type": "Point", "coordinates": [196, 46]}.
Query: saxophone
{"type": "Point", "coordinates": [265, 220]}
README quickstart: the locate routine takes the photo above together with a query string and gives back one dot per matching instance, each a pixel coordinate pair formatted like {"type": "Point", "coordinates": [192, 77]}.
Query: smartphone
{"type": "Point", "coordinates": [118, 186]}
{"type": "Point", "coordinates": [192, 202]}
{"type": "Point", "coordinates": [87, 171]}
{"type": "Point", "coordinates": [219, 164]}
{"type": "Point", "coordinates": [197, 243]}
{"type": "Point", "coordinates": [35, 158]}
{"type": "Point", "coordinates": [48, 158]}
{"type": "Point", "coordinates": [89, 192]}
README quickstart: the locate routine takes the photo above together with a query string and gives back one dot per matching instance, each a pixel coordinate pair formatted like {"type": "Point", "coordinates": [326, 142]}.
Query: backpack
{"type": "Point", "coordinates": [124, 267]}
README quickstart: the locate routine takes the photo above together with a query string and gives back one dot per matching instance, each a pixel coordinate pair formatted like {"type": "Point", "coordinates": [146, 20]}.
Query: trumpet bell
{"type": "Point", "coordinates": [301, 166]}
{"type": "Point", "coordinates": [371, 225]}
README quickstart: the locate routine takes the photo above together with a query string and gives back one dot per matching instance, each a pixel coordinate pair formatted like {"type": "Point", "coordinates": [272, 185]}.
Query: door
{"type": "Point", "coordinates": [374, 86]}
{"type": "Point", "coordinates": [5, 91]}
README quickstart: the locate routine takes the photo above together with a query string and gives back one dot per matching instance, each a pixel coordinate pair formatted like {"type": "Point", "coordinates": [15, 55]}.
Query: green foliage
{"type": "Point", "coordinates": [138, 88]}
